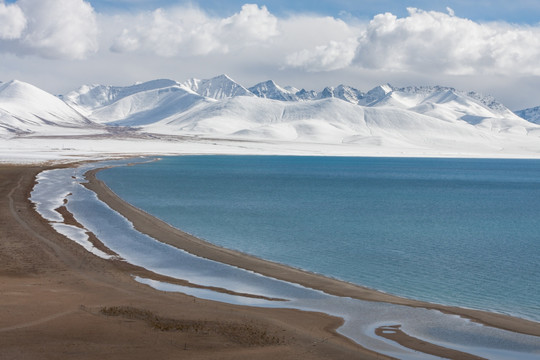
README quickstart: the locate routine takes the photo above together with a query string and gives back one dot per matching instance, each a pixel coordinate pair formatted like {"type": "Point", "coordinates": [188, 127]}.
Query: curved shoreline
{"type": "Point", "coordinates": [158, 229]}
{"type": "Point", "coordinates": [54, 292]}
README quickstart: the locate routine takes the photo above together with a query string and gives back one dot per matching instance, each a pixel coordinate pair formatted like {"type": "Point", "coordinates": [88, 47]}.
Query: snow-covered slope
{"type": "Point", "coordinates": [324, 121]}
{"type": "Point", "coordinates": [470, 102]}
{"type": "Point", "coordinates": [134, 105]}
{"type": "Point", "coordinates": [91, 97]}
{"type": "Point", "coordinates": [148, 106]}
{"type": "Point", "coordinates": [219, 87]}
{"type": "Point", "coordinates": [530, 114]}
{"type": "Point", "coordinates": [451, 105]}
{"type": "Point", "coordinates": [26, 109]}
{"type": "Point", "coordinates": [260, 118]}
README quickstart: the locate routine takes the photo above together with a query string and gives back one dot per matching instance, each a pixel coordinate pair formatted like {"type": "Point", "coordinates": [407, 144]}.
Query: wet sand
{"type": "Point", "coordinates": [59, 301]}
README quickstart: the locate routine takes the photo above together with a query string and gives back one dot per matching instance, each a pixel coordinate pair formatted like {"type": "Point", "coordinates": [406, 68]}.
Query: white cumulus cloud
{"type": "Point", "coordinates": [58, 29]}
{"type": "Point", "coordinates": [430, 41]}
{"type": "Point", "coordinates": [251, 24]}
{"type": "Point", "coordinates": [332, 56]}
{"type": "Point", "coordinates": [190, 31]}
{"type": "Point", "coordinates": [441, 42]}
{"type": "Point", "coordinates": [12, 21]}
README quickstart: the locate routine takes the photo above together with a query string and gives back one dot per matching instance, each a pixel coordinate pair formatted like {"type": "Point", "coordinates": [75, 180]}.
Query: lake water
{"type": "Point", "coordinates": [462, 232]}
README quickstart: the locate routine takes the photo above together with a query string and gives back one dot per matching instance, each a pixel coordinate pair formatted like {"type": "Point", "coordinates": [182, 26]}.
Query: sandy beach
{"type": "Point", "coordinates": [60, 301]}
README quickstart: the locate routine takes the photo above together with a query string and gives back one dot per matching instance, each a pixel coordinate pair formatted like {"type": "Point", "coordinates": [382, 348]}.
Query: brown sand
{"type": "Point", "coordinates": [59, 301]}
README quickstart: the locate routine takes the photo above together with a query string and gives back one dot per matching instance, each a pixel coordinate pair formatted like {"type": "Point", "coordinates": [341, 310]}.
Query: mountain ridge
{"type": "Point", "coordinates": [218, 88]}
{"type": "Point", "coordinates": [409, 117]}
{"type": "Point", "coordinates": [223, 86]}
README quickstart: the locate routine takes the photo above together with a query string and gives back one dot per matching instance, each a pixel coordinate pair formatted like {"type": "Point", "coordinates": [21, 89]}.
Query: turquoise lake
{"type": "Point", "coordinates": [462, 232]}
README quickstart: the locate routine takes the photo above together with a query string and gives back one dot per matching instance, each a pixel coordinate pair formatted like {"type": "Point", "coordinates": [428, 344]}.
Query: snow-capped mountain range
{"type": "Point", "coordinates": [411, 117]}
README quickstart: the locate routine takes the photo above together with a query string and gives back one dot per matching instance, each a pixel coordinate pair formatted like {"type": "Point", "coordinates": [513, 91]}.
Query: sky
{"type": "Point", "coordinates": [489, 46]}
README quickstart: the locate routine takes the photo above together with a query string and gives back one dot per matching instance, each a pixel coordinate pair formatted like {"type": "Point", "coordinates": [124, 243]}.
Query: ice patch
{"type": "Point", "coordinates": [80, 236]}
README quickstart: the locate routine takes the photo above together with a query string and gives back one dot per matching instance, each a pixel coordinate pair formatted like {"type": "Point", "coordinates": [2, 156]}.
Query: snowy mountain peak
{"type": "Point", "coordinates": [270, 90]}
{"type": "Point", "coordinates": [440, 94]}
{"type": "Point", "coordinates": [343, 92]}
{"type": "Point", "coordinates": [376, 94]}
{"type": "Point", "coordinates": [16, 88]}
{"type": "Point", "coordinates": [327, 92]}
{"type": "Point", "coordinates": [382, 89]}
{"type": "Point", "coordinates": [25, 109]}
{"type": "Point", "coordinates": [19, 93]}
{"type": "Point", "coordinates": [222, 77]}
{"type": "Point", "coordinates": [306, 95]}
{"type": "Point", "coordinates": [219, 87]}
